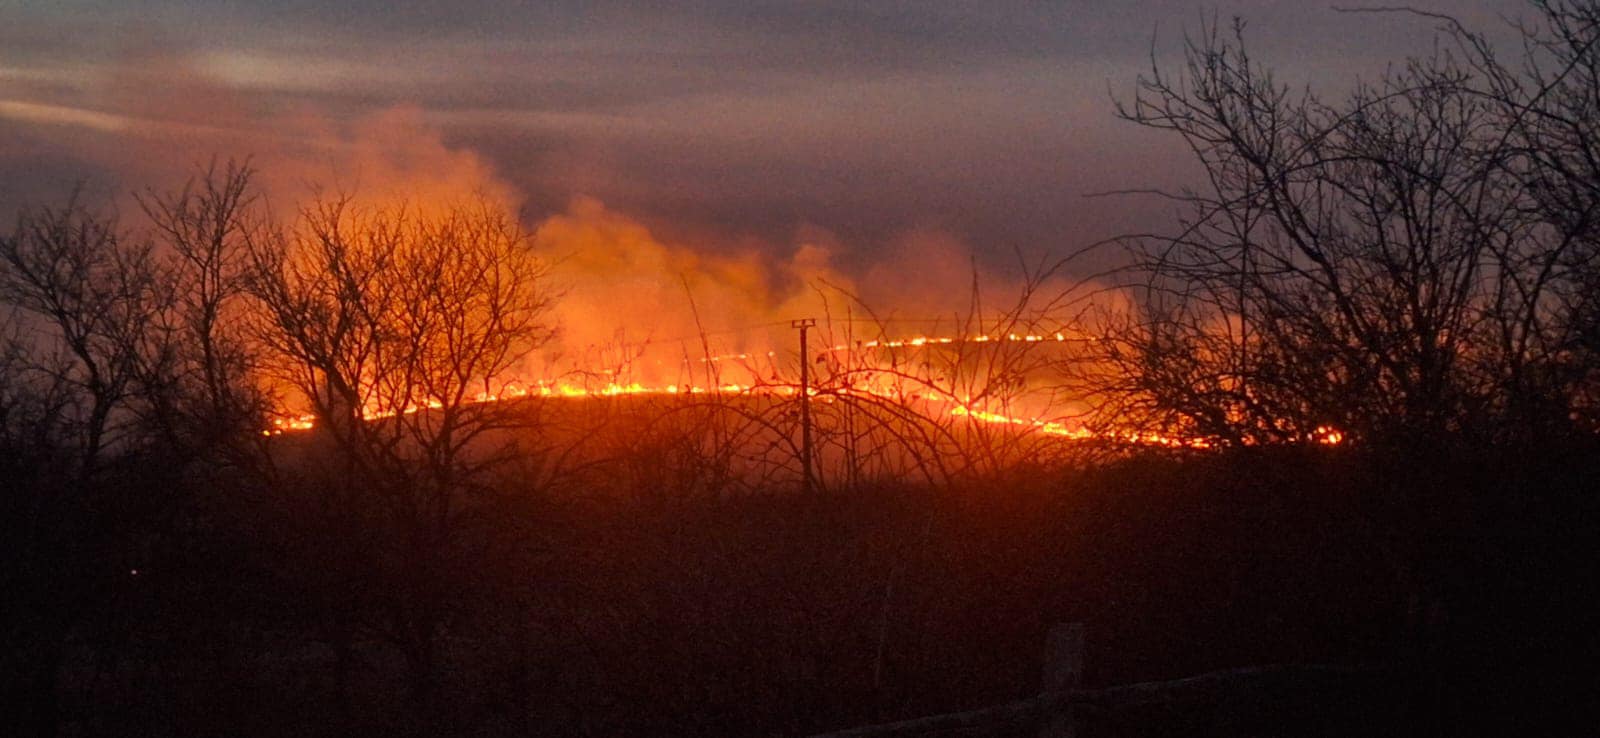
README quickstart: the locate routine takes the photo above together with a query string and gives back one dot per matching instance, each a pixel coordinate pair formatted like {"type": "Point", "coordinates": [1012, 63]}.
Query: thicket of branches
{"type": "Point", "coordinates": [1414, 259]}
{"type": "Point", "coordinates": [141, 368]}
{"type": "Point", "coordinates": [395, 325]}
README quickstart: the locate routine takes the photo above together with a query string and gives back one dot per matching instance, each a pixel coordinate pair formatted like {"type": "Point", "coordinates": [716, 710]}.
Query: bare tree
{"type": "Point", "coordinates": [1395, 264]}
{"type": "Point", "coordinates": [86, 294]}
{"type": "Point", "coordinates": [1549, 99]}
{"type": "Point", "coordinates": [204, 227]}
{"type": "Point", "coordinates": [393, 326]}
{"type": "Point", "coordinates": [91, 479]}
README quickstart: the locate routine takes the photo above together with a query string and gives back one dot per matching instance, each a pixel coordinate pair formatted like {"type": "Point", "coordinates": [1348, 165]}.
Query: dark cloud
{"type": "Point", "coordinates": [723, 120]}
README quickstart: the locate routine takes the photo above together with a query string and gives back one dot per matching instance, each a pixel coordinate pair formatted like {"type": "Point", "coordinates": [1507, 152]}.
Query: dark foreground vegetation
{"type": "Point", "coordinates": [1460, 579]}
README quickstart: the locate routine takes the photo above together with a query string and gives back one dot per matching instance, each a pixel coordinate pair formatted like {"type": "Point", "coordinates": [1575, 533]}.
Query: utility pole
{"type": "Point", "coordinates": [810, 483]}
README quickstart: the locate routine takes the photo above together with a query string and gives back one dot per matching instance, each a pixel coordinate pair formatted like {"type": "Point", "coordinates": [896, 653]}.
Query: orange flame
{"type": "Point", "coordinates": [944, 403]}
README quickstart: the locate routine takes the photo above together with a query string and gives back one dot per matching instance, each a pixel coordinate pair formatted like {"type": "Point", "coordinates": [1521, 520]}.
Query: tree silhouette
{"type": "Point", "coordinates": [392, 325]}
{"type": "Point", "coordinates": [1412, 261]}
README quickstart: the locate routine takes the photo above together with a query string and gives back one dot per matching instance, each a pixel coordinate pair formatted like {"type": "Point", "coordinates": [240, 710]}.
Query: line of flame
{"type": "Point", "coordinates": [959, 408]}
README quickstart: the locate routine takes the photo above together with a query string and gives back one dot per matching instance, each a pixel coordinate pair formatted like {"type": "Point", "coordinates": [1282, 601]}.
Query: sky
{"type": "Point", "coordinates": [729, 128]}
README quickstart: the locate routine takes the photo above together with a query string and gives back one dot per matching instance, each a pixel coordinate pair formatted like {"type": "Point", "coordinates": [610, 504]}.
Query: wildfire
{"type": "Point", "coordinates": [1323, 435]}
{"type": "Point", "coordinates": [1327, 435]}
{"type": "Point", "coordinates": [980, 338]}
{"type": "Point", "coordinates": [938, 402]}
